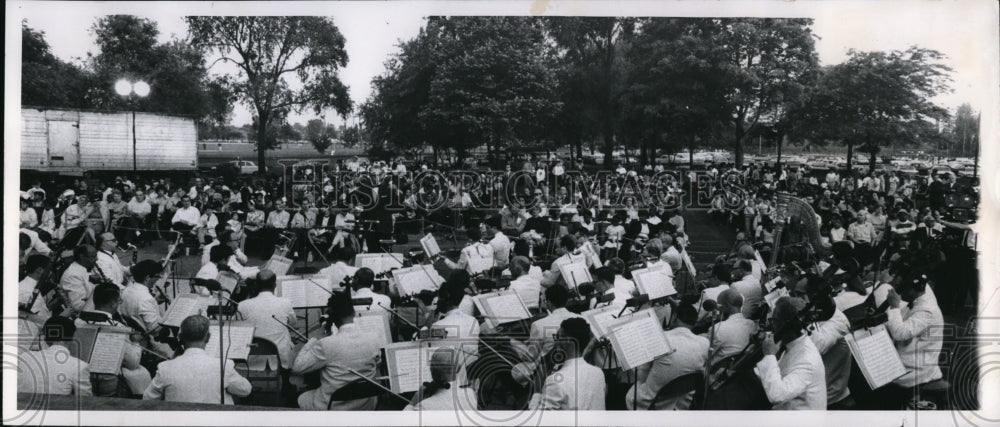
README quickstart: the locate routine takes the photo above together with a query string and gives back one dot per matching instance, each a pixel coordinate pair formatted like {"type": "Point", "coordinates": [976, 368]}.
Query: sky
{"type": "Point", "coordinates": [373, 31]}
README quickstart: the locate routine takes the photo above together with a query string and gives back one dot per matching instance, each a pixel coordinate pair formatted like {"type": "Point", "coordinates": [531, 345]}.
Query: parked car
{"type": "Point", "coordinates": [241, 167]}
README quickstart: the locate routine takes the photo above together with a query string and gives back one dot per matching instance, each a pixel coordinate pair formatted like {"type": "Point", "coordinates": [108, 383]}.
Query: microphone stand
{"type": "Point", "coordinates": [222, 360]}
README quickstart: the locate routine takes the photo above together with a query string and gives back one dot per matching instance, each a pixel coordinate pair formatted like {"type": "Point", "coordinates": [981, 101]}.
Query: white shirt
{"type": "Point", "coordinates": [189, 215]}
{"type": "Point", "coordinates": [578, 385]}
{"type": "Point", "coordinates": [916, 333]}
{"type": "Point", "coordinates": [258, 310]}
{"type": "Point", "coordinates": [53, 370]}
{"type": "Point", "coordinates": [111, 267]}
{"type": "Point", "coordinates": [36, 245]}
{"type": "Point", "coordinates": [194, 377]}
{"type": "Point", "coordinates": [798, 380]}
{"type": "Point", "coordinates": [139, 304]}
{"type": "Point", "coordinates": [752, 293]}
{"type": "Point", "coordinates": [828, 336]}
{"type": "Point", "coordinates": [377, 299]}
{"type": "Point", "coordinates": [76, 283]}
{"type": "Point", "coordinates": [528, 288]}
{"type": "Point", "coordinates": [337, 272]}
{"type": "Point", "coordinates": [501, 249]}
{"type": "Point", "coordinates": [731, 336]}
{"type": "Point", "coordinates": [456, 398]}
{"type": "Point", "coordinates": [462, 332]}
{"type": "Point", "coordinates": [351, 348]}
{"type": "Point", "coordinates": [689, 355]}
{"type": "Point", "coordinates": [25, 289]}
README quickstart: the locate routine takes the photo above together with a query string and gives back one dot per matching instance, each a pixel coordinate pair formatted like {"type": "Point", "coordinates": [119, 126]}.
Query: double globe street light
{"type": "Point", "coordinates": [132, 91]}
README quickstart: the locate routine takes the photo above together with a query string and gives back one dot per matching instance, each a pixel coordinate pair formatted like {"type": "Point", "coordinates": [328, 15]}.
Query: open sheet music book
{"type": "Point", "coordinates": [278, 265]}
{"type": "Point", "coordinates": [638, 339]}
{"type": "Point", "coordinates": [375, 322]}
{"type": "Point", "coordinates": [876, 355]}
{"type": "Point", "coordinates": [239, 334]}
{"type": "Point", "coordinates": [186, 305]}
{"type": "Point", "coordinates": [501, 307]}
{"type": "Point", "coordinates": [575, 273]}
{"type": "Point", "coordinates": [653, 282]}
{"type": "Point", "coordinates": [601, 318]}
{"type": "Point", "coordinates": [228, 280]}
{"type": "Point", "coordinates": [430, 245]}
{"type": "Point", "coordinates": [306, 291]}
{"type": "Point", "coordinates": [412, 280]}
{"type": "Point", "coordinates": [408, 364]}
{"type": "Point", "coordinates": [379, 263]}
{"type": "Point", "coordinates": [772, 297]}
{"type": "Point", "coordinates": [103, 347]}
{"type": "Point", "coordinates": [587, 250]}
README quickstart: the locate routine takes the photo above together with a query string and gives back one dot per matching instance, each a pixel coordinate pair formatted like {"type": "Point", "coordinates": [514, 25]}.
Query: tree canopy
{"type": "Point", "coordinates": [268, 51]}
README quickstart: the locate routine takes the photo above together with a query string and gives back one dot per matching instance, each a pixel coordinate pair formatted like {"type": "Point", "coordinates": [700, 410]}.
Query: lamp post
{"type": "Point", "coordinates": [130, 91]}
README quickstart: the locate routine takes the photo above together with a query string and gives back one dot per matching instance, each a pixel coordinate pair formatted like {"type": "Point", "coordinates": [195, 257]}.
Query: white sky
{"type": "Point", "coordinates": [372, 30]}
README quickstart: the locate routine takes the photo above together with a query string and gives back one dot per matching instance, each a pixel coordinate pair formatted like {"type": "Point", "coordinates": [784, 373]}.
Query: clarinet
{"type": "Point", "coordinates": [102, 279]}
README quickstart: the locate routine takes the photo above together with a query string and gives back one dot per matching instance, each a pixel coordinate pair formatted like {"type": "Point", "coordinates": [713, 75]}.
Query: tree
{"type": "Point", "coordinates": [464, 82]}
{"type": "Point", "coordinates": [320, 134]}
{"type": "Point", "coordinates": [875, 99]}
{"type": "Point", "coordinates": [594, 74]}
{"type": "Point", "coordinates": [176, 72]}
{"type": "Point", "coordinates": [270, 50]}
{"type": "Point", "coordinates": [47, 81]}
{"type": "Point", "coordinates": [963, 131]}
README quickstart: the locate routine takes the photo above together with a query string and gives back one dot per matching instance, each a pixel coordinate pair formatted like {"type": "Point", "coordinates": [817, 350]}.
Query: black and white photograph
{"type": "Point", "coordinates": [502, 213]}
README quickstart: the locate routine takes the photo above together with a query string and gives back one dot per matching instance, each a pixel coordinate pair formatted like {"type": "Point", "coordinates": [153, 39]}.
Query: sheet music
{"type": "Point", "coordinates": [108, 352]}
{"type": "Point", "coordinates": [408, 366]}
{"type": "Point", "coordinates": [376, 323]}
{"type": "Point", "coordinates": [430, 245]}
{"type": "Point", "coordinates": [379, 263]}
{"type": "Point", "coordinates": [638, 341]}
{"type": "Point", "coordinates": [501, 307]}
{"type": "Point", "coordinates": [239, 333]}
{"type": "Point", "coordinates": [304, 291]}
{"type": "Point", "coordinates": [479, 264]}
{"type": "Point", "coordinates": [278, 265]}
{"type": "Point", "coordinates": [228, 280]}
{"type": "Point", "coordinates": [876, 356]}
{"type": "Point", "coordinates": [653, 282]}
{"type": "Point", "coordinates": [772, 297]}
{"type": "Point", "coordinates": [575, 273]}
{"type": "Point", "coordinates": [588, 251]}
{"type": "Point", "coordinates": [185, 305]}
{"type": "Point", "coordinates": [414, 279]}
{"type": "Point", "coordinates": [600, 319]}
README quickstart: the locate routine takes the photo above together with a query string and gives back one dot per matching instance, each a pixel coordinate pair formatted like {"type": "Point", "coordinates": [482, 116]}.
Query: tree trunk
{"type": "Point", "coordinates": [579, 151]}
{"type": "Point", "coordinates": [261, 146]}
{"type": "Point", "coordinates": [691, 155]}
{"type": "Point", "coordinates": [850, 157]}
{"type": "Point", "coordinates": [738, 146]}
{"type": "Point", "coordinates": [609, 147]}
{"type": "Point", "coordinates": [781, 139]}
{"type": "Point", "coordinates": [872, 159]}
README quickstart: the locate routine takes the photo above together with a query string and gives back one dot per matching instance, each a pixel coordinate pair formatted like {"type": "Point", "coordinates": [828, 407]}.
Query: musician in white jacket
{"type": "Point", "coordinates": [915, 329]}
{"type": "Point", "coordinates": [795, 379]}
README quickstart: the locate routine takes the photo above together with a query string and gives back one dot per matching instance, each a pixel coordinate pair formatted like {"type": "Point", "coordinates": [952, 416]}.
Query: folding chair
{"type": "Point", "coordinates": [267, 384]}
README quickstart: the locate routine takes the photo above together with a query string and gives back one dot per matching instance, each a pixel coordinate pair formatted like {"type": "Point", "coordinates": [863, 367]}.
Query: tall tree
{"type": "Point", "coordinates": [47, 81]}
{"type": "Point", "coordinates": [875, 99]}
{"type": "Point", "coordinates": [595, 75]}
{"type": "Point", "coordinates": [964, 131]}
{"type": "Point", "coordinates": [268, 50]}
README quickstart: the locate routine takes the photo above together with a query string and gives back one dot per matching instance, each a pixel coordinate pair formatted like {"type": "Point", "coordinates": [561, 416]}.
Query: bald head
{"type": "Point", "coordinates": [266, 280]}
{"type": "Point", "coordinates": [731, 301]}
